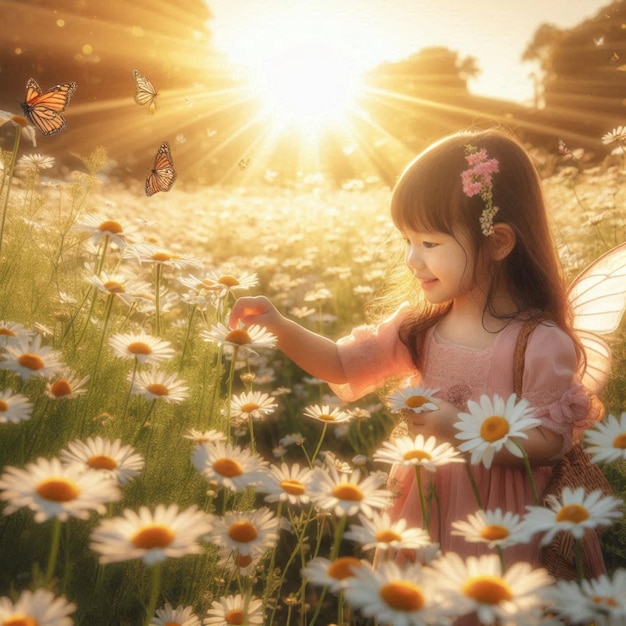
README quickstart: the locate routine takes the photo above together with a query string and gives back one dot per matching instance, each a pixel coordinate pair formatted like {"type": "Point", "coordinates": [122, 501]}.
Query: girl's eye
{"type": "Point", "coordinates": [428, 244]}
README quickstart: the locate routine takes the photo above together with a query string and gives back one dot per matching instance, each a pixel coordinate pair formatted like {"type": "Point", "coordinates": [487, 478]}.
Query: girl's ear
{"type": "Point", "coordinates": [502, 241]}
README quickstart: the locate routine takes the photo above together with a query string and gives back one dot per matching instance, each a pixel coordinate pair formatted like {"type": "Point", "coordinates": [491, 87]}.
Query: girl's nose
{"type": "Point", "coordinates": [413, 258]}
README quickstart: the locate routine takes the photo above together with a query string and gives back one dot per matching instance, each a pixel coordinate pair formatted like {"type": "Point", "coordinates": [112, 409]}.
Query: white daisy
{"type": "Point", "coordinates": [52, 490]}
{"type": "Point", "coordinates": [617, 134]}
{"type": "Point", "coordinates": [493, 424]}
{"type": "Point", "coordinates": [202, 436]}
{"type": "Point", "coordinates": [31, 163]}
{"type": "Point", "coordinates": [323, 413]}
{"type": "Point", "coordinates": [156, 384]}
{"type": "Point", "coordinates": [252, 404]}
{"type": "Point", "coordinates": [222, 282]}
{"type": "Point", "coordinates": [141, 346]}
{"type": "Point", "coordinates": [121, 462]}
{"type": "Point", "coordinates": [293, 438]}
{"type": "Point", "coordinates": [477, 585]}
{"type": "Point", "coordinates": [607, 440]}
{"type": "Point", "coordinates": [156, 255]}
{"type": "Point", "coordinates": [600, 600]}
{"type": "Point", "coordinates": [37, 608]}
{"type": "Point", "coordinates": [288, 484]}
{"type": "Point", "coordinates": [418, 451]}
{"type": "Point", "coordinates": [179, 616]}
{"type": "Point", "coordinates": [66, 386]}
{"type": "Point", "coordinates": [232, 610]}
{"type": "Point", "coordinates": [100, 228]}
{"type": "Point", "coordinates": [381, 533]}
{"type": "Point", "coordinates": [27, 357]}
{"type": "Point", "coordinates": [394, 595]}
{"type": "Point", "coordinates": [10, 333]}
{"type": "Point", "coordinates": [14, 407]}
{"type": "Point", "coordinates": [493, 527]}
{"type": "Point", "coordinates": [332, 574]}
{"type": "Point", "coordinates": [347, 494]}
{"type": "Point", "coordinates": [111, 284]}
{"type": "Point", "coordinates": [247, 532]}
{"type": "Point", "coordinates": [245, 340]}
{"type": "Point", "coordinates": [151, 537]}
{"type": "Point", "coordinates": [27, 130]}
{"type": "Point", "coordinates": [229, 465]}
{"type": "Point", "coordinates": [575, 512]}
{"type": "Point", "coordinates": [239, 564]}
{"type": "Point", "coordinates": [413, 399]}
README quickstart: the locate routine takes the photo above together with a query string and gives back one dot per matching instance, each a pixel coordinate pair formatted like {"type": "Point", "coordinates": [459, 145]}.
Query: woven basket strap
{"type": "Point", "coordinates": [520, 353]}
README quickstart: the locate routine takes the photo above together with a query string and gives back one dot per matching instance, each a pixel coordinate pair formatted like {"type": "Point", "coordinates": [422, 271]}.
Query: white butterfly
{"type": "Point", "coordinates": [598, 299]}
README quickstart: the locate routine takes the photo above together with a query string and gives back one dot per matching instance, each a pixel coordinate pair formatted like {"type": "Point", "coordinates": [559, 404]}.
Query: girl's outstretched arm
{"type": "Point", "coordinates": [317, 355]}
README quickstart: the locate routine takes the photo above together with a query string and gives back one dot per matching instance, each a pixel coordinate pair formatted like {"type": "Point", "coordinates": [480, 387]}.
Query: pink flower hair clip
{"type": "Point", "coordinates": [477, 179]}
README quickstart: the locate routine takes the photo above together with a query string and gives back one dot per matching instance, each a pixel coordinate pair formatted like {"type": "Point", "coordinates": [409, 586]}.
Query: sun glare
{"type": "Point", "coordinates": [307, 85]}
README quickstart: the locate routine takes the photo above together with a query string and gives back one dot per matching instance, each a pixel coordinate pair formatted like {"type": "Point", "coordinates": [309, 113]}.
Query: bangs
{"type": "Point", "coordinates": [429, 196]}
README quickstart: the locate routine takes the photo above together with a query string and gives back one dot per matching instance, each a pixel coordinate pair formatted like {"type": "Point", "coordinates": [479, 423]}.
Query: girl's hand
{"type": "Point", "coordinates": [255, 310]}
{"type": "Point", "coordinates": [438, 424]}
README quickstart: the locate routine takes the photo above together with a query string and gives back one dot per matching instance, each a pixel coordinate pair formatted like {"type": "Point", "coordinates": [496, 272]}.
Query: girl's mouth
{"type": "Point", "coordinates": [427, 283]}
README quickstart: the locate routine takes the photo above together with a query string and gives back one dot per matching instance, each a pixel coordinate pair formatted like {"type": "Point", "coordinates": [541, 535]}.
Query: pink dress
{"type": "Point", "coordinates": [371, 354]}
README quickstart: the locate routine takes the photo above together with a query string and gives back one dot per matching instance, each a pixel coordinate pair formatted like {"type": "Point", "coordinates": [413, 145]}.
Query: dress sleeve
{"type": "Point", "coordinates": [370, 354]}
{"type": "Point", "coordinates": [551, 386]}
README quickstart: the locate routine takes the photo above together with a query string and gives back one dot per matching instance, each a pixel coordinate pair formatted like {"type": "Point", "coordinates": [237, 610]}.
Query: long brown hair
{"type": "Point", "coordinates": [429, 197]}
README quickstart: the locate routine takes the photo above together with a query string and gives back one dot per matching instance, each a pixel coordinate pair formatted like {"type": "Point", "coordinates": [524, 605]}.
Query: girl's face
{"type": "Point", "coordinates": [441, 264]}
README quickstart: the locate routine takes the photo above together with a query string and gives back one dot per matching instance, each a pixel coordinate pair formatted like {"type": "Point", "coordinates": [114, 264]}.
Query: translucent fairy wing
{"type": "Point", "coordinates": [598, 293]}
{"type": "Point", "coordinates": [598, 299]}
{"type": "Point", "coordinates": [598, 365]}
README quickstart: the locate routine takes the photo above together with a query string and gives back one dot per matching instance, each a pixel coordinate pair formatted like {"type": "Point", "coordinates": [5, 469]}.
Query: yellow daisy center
{"type": "Point", "coordinates": [293, 487]}
{"type": "Point", "coordinates": [228, 281]}
{"type": "Point", "coordinates": [162, 256]}
{"type": "Point", "coordinates": [139, 347]}
{"type": "Point", "coordinates": [172, 623]}
{"type": "Point", "coordinates": [111, 226]}
{"type": "Point", "coordinates": [487, 589]}
{"type": "Point", "coordinates": [387, 536]}
{"type": "Point", "coordinates": [31, 361]}
{"type": "Point", "coordinates": [250, 407]}
{"type": "Point", "coordinates": [158, 389]}
{"type": "Point", "coordinates": [343, 567]}
{"type": "Point", "coordinates": [604, 600]}
{"type": "Point", "coordinates": [494, 532]}
{"type": "Point", "coordinates": [58, 489]}
{"type": "Point", "coordinates": [402, 595]}
{"type": "Point", "coordinates": [574, 513]}
{"type": "Point", "coordinates": [7, 332]}
{"type": "Point", "coordinates": [620, 441]}
{"type": "Point", "coordinates": [420, 455]}
{"type": "Point", "coordinates": [238, 336]}
{"type": "Point", "coordinates": [20, 620]}
{"type": "Point", "coordinates": [494, 428]}
{"type": "Point", "coordinates": [234, 617]}
{"type": "Point", "coordinates": [61, 388]}
{"type": "Point", "coordinates": [347, 491]}
{"type": "Point", "coordinates": [114, 287]}
{"type": "Point", "coordinates": [243, 531]}
{"type": "Point", "coordinates": [19, 120]}
{"type": "Point", "coordinates": [326, 417]}
{"type": "Point", "coordinates": [153, 536]}
{"type": "Point", "coordinates": [415, 402]}
{"type": "Point", "coordinates": [102, 462]}
{"type": "Point", "coordinates": [4, 407]}
{"type": "Point", "coordinates": [243, 560]}
{"type": "Point", "coordinates": [227, 467]}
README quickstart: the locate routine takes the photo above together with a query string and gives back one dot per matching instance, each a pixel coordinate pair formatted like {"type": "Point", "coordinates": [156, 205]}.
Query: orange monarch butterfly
{"type": "Point", "coordinates": [145, 92]}
{"type": "Point", "coordinates": [44, 109]}
{"type": "Point", "coordinates": [162, 175]}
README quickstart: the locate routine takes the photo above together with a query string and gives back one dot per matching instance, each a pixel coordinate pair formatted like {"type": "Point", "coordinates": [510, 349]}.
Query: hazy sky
{"type": "Point", "coordinates": [494, 31]}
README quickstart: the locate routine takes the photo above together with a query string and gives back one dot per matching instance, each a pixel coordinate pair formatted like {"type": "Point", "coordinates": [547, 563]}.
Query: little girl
{"type": "Point", "coordinates": [471, 211]}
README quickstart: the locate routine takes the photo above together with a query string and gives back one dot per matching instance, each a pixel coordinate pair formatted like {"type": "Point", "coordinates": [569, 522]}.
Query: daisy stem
{"type": "Point", "coordinates": [155, 583]}
{"type": "Point", "coordinates": [420, 490]}
{"type": "Point", "coordinates": [472, 480]}
{"type": "Point", "coordinates": [529, 470]}
{"type": "Point", "coordinates": [9, 175]}
{"type": "Point", "coordinates": [229, 391]}
{"type": "Point", "coordinates": [319, 444]}
{"type": "Point", "coordinates": [157, 297]}
{"type": "Point", "coordinates": [578, 559]}
{"type": "Point", "coordinates": [130, 389]}
{"type": "Point", "coordinates": [251, 429]}
{"type": "Point", "coordinates": [55, 543]}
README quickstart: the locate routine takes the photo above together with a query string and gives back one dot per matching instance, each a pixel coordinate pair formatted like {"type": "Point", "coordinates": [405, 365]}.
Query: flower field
{"type": "Point", "coordinates": [158, 467]}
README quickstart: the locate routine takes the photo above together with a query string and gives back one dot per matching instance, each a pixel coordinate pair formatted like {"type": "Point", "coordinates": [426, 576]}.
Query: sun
{"type": "Point", "coordinates": [300, 66]}
{"type": "Point", "coordinates": [308, 84]}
